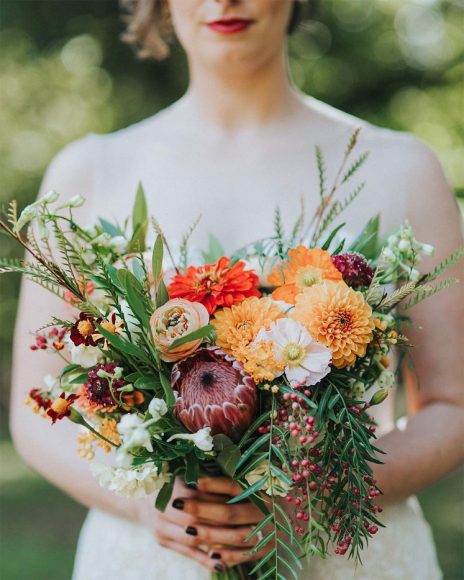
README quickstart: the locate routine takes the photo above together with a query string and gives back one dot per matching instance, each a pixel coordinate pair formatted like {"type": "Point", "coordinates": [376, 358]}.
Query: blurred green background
{"type": "Point", "coordinates": [65, 72]}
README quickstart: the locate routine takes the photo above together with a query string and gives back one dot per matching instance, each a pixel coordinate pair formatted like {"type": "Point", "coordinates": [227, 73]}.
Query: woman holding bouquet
{"type": "Point", "coordinates": [238, 143]}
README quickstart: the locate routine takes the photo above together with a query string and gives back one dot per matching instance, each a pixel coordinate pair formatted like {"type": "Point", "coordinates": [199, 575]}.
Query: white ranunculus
{"type": "Point", "coordinates": [157, 408]}
{"type": "Point", "coordinates": [135, 482]}
{"type": "Point", "coordinates": [85, 356]}
{"type": "Point", "coordinates": [202, 438]}
{"type": "Point", "coordinates": [134, 432]}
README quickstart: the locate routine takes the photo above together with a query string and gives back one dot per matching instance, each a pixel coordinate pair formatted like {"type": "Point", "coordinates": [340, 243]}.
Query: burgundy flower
{"type": "Point", "coordinates": [60, 407]}
{"type": "Point", "coordinates": [40, 399]}
{"type": "Point", "coordinates": [97, 389]}
{"type": "Point", "coordinates": [354, 269]}
{"type": "Point", "coordinates": [83, 329]}
{"type": "Point", "coordinates": [213, 390]}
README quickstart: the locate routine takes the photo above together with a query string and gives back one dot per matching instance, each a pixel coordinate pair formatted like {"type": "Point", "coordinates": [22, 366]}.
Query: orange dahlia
{"type": "Point", "coordinates": [237, 326]}
{"type": "Point", "coordinates": [304, 268]}
{"type": "Point", "coordinates": [215, 285]}
{"type": "Point", "coordinates": [338, 317]}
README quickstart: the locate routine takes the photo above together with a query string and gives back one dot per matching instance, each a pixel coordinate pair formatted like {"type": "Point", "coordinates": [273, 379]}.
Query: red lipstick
{"type": "Point", "coordinates": [229, 25]}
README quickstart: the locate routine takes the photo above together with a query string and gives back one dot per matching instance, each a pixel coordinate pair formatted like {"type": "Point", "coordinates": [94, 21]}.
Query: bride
{"type": "Point", "coordinates": [238, 143]}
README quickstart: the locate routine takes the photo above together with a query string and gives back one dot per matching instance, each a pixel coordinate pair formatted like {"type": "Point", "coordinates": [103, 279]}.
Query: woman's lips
{"type": "Point", "coordinates": [229, 25]}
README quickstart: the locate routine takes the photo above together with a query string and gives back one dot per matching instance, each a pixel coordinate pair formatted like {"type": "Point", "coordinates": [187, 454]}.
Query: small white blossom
{"type": "Point", "coordinates": [85, 356]}
{"type": "Point", "coordinates": [157, 408]}
{"type": "Point", "coordinates": [118, 244]}
{"type": "Point", "coordinates": [134, 432]}
{"type": "Point", "coordinates": [202, 438]}
{"type": "Point", "coordinates": [135, 482]}
{"type": "Point", "coordinates": [88, 257]}
{"type": "Point", "coordinates": [386, 379]}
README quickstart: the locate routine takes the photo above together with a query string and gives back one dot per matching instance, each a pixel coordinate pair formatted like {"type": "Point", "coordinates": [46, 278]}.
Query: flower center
{"type": "Point", "coordinates": [85, 327]}
{"type": "Point", "coordinates": [60, 405]}
{"type": "Point", "coordinates": [293, 354]}
{"type": "Point", "coordinates": [207, 379]}
{"type": "Point", "coordinates": [344, 319]}
{"type": "Point", "coordinates": [307, 277]}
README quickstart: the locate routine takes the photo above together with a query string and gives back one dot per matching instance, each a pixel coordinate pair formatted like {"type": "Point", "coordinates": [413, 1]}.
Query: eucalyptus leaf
{"type": "Point", "coordinates": [203, 332]}
{"type": "Point", "coordinates": [165, 494]}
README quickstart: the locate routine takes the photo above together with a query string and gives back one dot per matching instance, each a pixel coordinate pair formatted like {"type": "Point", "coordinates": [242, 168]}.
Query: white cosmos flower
{"type": "Point", "coordinates": [157, 408]}
{"type": "Point", "coordinates": [85, 356]}
{"type": "Point", "coordinates": [202, 438]}
{"type": "Point", "coordinates": [306, 360]}
{"type": "Point", "coordinates": [135, 482]}
{"type": "Point", "coordinates": [134, 432]}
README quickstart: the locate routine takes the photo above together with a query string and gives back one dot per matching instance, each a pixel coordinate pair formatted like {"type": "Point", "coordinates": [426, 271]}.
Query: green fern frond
{"type": "Point", "coordinates": [445, 264]}
{"type": "Point", "coordinates": [428, 290]}
{"type": "Point", "coordinates": [279, 232]}
{"type": "Point", "coordinates": [354, 167]}
{"type": "Point", "coordinates": [12, 213]}
{"type": "Point", "coordinates": [299, 223]}
{"type": "Point", "coordinates": [399, 294]}
{"type": "Point", "coordinates": [352, 142]}
{"type": "Point", "coordinates": [183, 259]}
{"type": "Point", "coordinates": [321, 171]}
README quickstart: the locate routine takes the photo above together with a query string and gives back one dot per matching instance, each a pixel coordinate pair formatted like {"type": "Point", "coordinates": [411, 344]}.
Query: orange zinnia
{"type": "Point", "coordinates": [338, 317]}
{"type": "Point", "coordinates": [237, 326]}
{"type": "Point", "coordinates": [215, 285]}
{"type": "Point", "coordinates": [304, 268]}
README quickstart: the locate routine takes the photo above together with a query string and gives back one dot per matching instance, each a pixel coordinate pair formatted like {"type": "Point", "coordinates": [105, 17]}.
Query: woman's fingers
{"type": "Point", "coordinates": [220, 485]}
{"type": "Point", "coordinates": [222, 513]}
{"type": "Point", "coordinates": [213, 564]}
{"type": "Point", "coordinates": [233, 557]}
{"type": "Point", "coordinates": [201, 535]}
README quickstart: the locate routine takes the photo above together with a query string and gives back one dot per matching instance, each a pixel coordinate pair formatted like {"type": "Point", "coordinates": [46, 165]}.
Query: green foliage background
{"type": "Point", "coordinates": [64, 72]}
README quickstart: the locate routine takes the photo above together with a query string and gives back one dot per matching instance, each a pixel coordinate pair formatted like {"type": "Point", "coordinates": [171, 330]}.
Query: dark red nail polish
{"type": "Point", "coordinates": [219, 567]}
{"type": "Point", "coordinates": [178, 504]}
{"type": "Point", "coordinates": [192, 485]}
{"type": "Point", "coordinates": [216, 556]}
{"type": "Point", "coordinates": [191, 531]}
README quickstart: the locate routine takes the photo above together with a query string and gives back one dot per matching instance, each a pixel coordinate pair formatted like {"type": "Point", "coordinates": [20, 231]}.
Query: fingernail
{"type": "Point", "coordinates": [192, 485]}
{"type": "Point", "coordinates": [219, 567]}
{"type": "Point", "coordinates": [191, 531]}
{"type": "Point", "coordinates": [216, 556]}
{"type": "Point", "coordinates": [178, 504]}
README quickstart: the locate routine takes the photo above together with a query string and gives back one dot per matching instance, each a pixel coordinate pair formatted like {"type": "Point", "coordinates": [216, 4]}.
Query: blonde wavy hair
{"type": "Point", "coordinates": [149, 26]}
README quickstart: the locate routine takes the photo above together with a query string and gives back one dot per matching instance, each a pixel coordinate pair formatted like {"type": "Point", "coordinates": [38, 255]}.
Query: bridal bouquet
{"type": "Point", "coordinates": [261, 366]}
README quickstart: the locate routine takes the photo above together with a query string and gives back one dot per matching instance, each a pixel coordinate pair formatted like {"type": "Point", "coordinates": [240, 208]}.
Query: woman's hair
{"type": "Point", "coordinates": [150, 30]}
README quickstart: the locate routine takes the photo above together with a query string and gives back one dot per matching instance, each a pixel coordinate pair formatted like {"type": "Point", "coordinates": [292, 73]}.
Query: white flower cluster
{"type": "Point", "coordinates": [404, 251]}
{"type": "Point", "coordinates": [135, 482]}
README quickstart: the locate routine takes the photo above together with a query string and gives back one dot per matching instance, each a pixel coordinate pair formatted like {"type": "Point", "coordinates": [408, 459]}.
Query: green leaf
{"type": "Point", "coordinates": [147, 383]}
{"type": "Point", "coordinates": [110, 228]}
{"type": "Point", "coordinates": [254, 447]}
{"type": "Point", "coordinates": [140, 210]}
{"type": "Point", "coordinates": [191, 468]}
{"type": "Point", "coordinates": [202, 332]}
{"type": "Point", "coordinates": [261, 563]}
{"type": "Point", "coordinates": [134, 296]}
{"type": "Point", "coordinates": [366, 242]}
{"type": "Point", "coordinates": [249, 490]}
{"type": "Point", "coordinates": [326, 244]}
{"type": "Point", "coordinates": [281, 475]}
{"type": "Point", "coordinates": [122, 345]}
{"type": "Point", "coordinates": [80, 379]}
{"type": "Point", "coordinates": [215, 250]}
{"type": "Point", "coordinates": [165, 494]}
{"type": "Point", "coordinates": [162, 295]}
{"type": "Point", "coordinates": [168, 392]}
{"type": "Point", "coordinates": [157, 260]}
{"type": "Point", "coordinates": [221, 442]}
{"type": "Point", "coordinates": [137, 241]}
{"type": "Point", "coordinates": [228, 460]}
{"type": "Point", "coordinates": [262, 524]}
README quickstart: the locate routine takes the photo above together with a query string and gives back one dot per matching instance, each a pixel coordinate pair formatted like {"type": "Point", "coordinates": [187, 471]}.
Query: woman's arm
{"type": "Point", "coordinates": [432, 445]}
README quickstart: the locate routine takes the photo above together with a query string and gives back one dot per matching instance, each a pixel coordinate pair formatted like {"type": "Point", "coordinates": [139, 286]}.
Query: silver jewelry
{"type": "Point", "coordinates": [259, 536]}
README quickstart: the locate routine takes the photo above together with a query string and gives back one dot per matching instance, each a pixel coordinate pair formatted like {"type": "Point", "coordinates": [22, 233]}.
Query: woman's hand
{"type": "Point", "coordinates": [200, 525]}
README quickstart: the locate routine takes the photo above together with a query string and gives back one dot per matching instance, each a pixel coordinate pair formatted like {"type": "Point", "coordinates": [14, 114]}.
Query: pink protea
{"type": "Point", "coordinates": [213, 390]}
{"type": "Point", "coordinates": [354, 269]}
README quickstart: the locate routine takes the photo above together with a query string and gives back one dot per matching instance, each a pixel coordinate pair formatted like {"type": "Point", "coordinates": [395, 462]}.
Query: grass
{"type": "Point", "coordinates": [40, 525]}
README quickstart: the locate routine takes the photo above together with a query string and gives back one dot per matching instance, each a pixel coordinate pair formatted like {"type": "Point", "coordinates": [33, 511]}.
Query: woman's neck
{"type": "Point", "coordinates": [236, 103]}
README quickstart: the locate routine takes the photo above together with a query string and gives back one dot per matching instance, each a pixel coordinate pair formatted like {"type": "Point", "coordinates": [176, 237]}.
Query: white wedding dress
{"type": "Point", "coordinates": [111, 547]}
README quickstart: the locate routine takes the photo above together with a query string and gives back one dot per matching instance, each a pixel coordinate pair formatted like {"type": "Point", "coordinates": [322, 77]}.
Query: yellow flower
{"type": "Point", "coordinates": [259, 361]}
{"type": "Point", "coordinates": [238, 325]}
{"type": "Point", "coordinates": [338, 317]}
{"type": "Point", "coordinates": [108, 429]}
